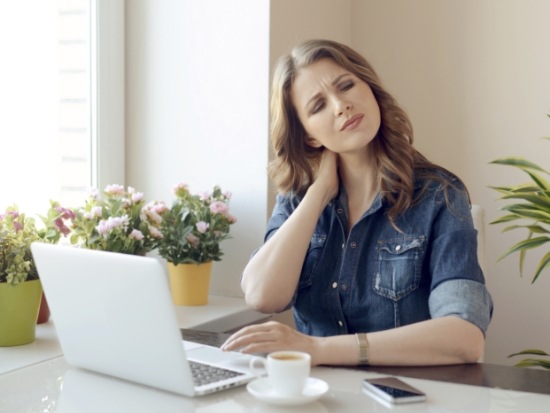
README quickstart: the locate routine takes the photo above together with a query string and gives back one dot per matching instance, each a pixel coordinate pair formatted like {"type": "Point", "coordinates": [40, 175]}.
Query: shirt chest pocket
{"type": "Point", "coordinates": [399, 266]}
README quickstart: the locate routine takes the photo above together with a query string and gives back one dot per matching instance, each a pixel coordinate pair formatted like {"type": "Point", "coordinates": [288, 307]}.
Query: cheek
{"type": "Point", "coordinates": [319, 126]}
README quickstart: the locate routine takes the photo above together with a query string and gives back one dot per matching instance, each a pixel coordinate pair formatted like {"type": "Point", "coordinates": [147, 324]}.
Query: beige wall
{"type": "Point", "coordinates": [474, 75]}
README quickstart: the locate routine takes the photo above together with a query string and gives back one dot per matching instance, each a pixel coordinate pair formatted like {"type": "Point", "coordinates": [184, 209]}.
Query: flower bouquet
{"type": "Point", "coordinates": [120, 220]}
{"type": "Point", "coordinates": [17, 232]}
{"type": "Point", "coordinates": [195, 225]}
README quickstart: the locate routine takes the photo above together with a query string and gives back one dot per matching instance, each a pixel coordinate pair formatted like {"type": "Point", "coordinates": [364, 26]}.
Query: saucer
{"type": "Point", "coordinates": [262, 390]}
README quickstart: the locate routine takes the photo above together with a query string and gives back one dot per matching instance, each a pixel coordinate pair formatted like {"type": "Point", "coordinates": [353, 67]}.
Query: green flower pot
{"type": "Point", "coordinates": [19, 306]}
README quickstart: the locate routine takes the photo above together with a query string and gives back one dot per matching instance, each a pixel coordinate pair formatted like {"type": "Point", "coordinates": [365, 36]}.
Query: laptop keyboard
{"type": "Point", "coordinates": [205, 373]}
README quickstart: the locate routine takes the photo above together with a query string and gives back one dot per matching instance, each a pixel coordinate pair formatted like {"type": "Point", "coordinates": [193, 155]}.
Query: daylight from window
{"type": "Point", "coordinates": [44, 103]}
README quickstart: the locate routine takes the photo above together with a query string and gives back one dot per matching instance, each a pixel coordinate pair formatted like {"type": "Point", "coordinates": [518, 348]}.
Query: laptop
{"type": "Point", "coordinates": [114, 315]}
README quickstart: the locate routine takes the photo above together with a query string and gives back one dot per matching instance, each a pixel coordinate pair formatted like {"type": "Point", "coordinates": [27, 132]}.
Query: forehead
{"type": "Point", "coordinates": [311, 79]}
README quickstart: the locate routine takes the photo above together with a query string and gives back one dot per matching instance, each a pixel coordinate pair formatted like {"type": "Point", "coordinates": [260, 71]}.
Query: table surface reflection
{"type": "Point", "coordinates": [53, 386]}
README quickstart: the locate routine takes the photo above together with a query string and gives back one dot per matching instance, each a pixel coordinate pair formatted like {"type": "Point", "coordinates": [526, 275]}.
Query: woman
{"type": "Point", "coordinates": [372, 245]}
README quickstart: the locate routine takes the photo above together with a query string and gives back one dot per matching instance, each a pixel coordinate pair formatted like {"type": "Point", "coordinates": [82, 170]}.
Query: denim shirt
{"type": "Point", "coordinates": [379, 278]}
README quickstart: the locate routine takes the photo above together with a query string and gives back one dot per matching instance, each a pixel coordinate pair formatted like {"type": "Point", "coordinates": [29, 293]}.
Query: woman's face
{"type": "Point", "coordinates": [337, 109]}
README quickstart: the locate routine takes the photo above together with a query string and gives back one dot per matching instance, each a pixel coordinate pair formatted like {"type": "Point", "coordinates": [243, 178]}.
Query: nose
{"type": "Point", "coordinates": [342, 106]}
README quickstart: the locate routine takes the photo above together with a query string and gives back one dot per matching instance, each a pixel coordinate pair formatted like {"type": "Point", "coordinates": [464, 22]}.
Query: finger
{"type": "Point", "coordinates": [245, 331]}
{"type": "Point", "coordinates": [243, 340]}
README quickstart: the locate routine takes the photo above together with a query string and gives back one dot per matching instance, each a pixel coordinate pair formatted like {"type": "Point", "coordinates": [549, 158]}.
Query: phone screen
{"type": "Point", "coordinates": [394, 390]}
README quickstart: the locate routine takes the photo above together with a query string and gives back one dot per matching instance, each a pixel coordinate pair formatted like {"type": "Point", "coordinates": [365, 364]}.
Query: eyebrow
{"type": "Point", "coordinates": [333, 83]}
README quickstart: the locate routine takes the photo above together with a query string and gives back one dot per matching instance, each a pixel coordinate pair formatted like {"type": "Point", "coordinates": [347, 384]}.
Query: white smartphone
{"type": "Point", "coordinates": [393, 390]}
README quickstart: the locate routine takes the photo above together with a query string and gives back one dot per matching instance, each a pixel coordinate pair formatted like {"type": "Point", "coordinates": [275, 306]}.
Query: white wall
{"type": "Point", "coordinates": [475, 78]}
{"type": "Point", "coordinates": [196, 110]}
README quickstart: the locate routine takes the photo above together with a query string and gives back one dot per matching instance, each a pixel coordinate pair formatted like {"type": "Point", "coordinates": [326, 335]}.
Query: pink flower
{"type": "Point", "coordinates": [94, 193]}
{"type": "Point", "coordinates": [205, 195]}
{"type": "Point", "coordinates": [136, 235]}
{"type": "Point", "coordinates": [106, 226]}
{"type": "Point", "coordinates": [219, 207]}
{"type": "Point", "coordinates": [159, 207]}
{"type": "Point", "coordinates": [193, 240]}
{"type": "Point", "coordinates": [151, 212]}
{"type": "Point", "coordinates": [97, 211]}
{"type": "Point", "coordinates": [231, 219]}
{"type": "Point", "coordinates": [114, 189]}
{"type": "Point", "coordinates": [202, 226]}
{"type": "Point", "coordinates": [136, 196]}
{"type": "Point", "coordinates": [155, 233]}
{"type": "Point", "coordinates": [227, 194]}
{"type": "Point", "coordinates": [180, 189]}
{"type": "Point", "coordinates": [65, 213]}
{"type": "Point", "coordinates": [61, 227]}
{"type": "Point", "coordinates": [103, 227]}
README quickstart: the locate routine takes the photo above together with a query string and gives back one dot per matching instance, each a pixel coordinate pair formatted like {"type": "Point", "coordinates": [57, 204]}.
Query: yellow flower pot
{"type": "Point", "coordinates": [18, 312]}
{"type": "Point", "coordinates": [189, 283]}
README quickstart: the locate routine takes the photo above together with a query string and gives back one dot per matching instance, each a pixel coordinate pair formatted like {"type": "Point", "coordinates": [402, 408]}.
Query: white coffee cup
{"type": "Point", "coordinates": [288, 371]}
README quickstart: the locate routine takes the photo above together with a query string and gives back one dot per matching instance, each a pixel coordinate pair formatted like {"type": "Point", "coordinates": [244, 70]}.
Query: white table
{"type": "Point", "coordinates": [36, 378]}
{"type": "Point", "coordinates": [221, 314]}
{"type": "Point", "coordinates": [52, 386]}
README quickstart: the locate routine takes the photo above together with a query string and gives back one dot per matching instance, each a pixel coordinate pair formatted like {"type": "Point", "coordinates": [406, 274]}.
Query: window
{"type": "Point", "coordinates": [51, 130]}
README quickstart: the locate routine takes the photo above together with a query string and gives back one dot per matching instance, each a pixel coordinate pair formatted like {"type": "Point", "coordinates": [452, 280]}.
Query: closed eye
{"type": "Point", "coordinates": [346, 86]}
{"type": "Point", "coordinates": [319, 105]}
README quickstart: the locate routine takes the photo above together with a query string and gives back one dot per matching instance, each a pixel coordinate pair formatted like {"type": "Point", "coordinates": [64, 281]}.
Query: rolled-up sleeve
{"type": "Point", "coordinates": [463, 298]}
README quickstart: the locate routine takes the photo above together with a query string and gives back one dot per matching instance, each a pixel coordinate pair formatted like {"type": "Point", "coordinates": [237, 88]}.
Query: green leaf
{"type": "Point", "coordinates": [534, 229]}
{"type": "Point", "coordinates": [533, 352]}
{"type": "Point", "coordinates": [540, 181]}
{"type": "Point", "coordinates": [543, 264]}
{"type": "Point", "coordinates": [506, 218]}
{"type": "Point", "coordinates": [528, 211]}
{"type": "Point", "coordinates": [526, 245]}
{"type": "Point", "coordinates": [519, 162]}
{"type": "Point", "coordinates": [534, 199]}
{"type": "Point", "coordinates": [534, 363]}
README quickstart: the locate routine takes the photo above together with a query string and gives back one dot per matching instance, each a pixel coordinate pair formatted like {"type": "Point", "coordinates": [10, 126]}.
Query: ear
{"type": "Point", "coordinates": [311, 141]}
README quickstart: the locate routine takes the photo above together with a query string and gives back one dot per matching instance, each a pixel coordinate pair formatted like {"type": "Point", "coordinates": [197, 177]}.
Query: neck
{"type": "Point", "coordinates": [360, 179]}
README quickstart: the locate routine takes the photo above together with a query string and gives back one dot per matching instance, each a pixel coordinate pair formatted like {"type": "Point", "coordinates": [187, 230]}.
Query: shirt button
{"type": "Point", "coordinates": [398, 248]}
{"type": "Point", "coordinates": [353, 244]}
{"type": "Point", "coordinates": [344, 287]}
{"type": "Point", "coordinates": [339, 210]}
{"type": "Point", "coordinates": [334, 284]}
{"type": "Point", "coordinates": [343, 245]}
{"type": "Point", "coordinates": [340, 324]}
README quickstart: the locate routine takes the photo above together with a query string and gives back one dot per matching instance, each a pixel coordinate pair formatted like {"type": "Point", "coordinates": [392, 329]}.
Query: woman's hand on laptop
{"type": "Point", "coordinates": [272, 336]}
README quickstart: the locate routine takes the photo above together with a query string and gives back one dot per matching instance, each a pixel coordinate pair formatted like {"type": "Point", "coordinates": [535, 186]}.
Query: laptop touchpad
{"type": "Point", "coordinates": [213, 355]}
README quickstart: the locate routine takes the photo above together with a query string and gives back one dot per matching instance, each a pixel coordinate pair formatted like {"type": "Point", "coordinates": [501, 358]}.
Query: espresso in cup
{"type": "Point", "coordinates": [287, 371]}
{"type": "Point", "coordinates": [287, 356]}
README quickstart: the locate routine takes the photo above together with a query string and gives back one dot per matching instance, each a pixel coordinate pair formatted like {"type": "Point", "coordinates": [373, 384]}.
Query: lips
{"type": "Point", "coordinates": [352, 122]}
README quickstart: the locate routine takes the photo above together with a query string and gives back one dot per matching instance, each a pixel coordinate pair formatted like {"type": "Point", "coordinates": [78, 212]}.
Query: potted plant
{"type": "Point", "coordinates": [530, 211]}
{"type": "Point", "coordinates": [193, 229]}
{"type": "Point", "coordinates": [56, 224]}
{"type": "Point", "coordinates": [20, 288]}
{"type": "Point", "coordinates": [119, 220]}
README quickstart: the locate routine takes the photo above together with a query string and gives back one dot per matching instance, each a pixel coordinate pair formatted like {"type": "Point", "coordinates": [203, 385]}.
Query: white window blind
{"type": "Point", "coordinates": [50, 82]}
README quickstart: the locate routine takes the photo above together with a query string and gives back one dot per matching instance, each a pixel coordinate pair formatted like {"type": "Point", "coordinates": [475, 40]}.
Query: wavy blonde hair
{"type": "Point", "coordinates": [295, 162]}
